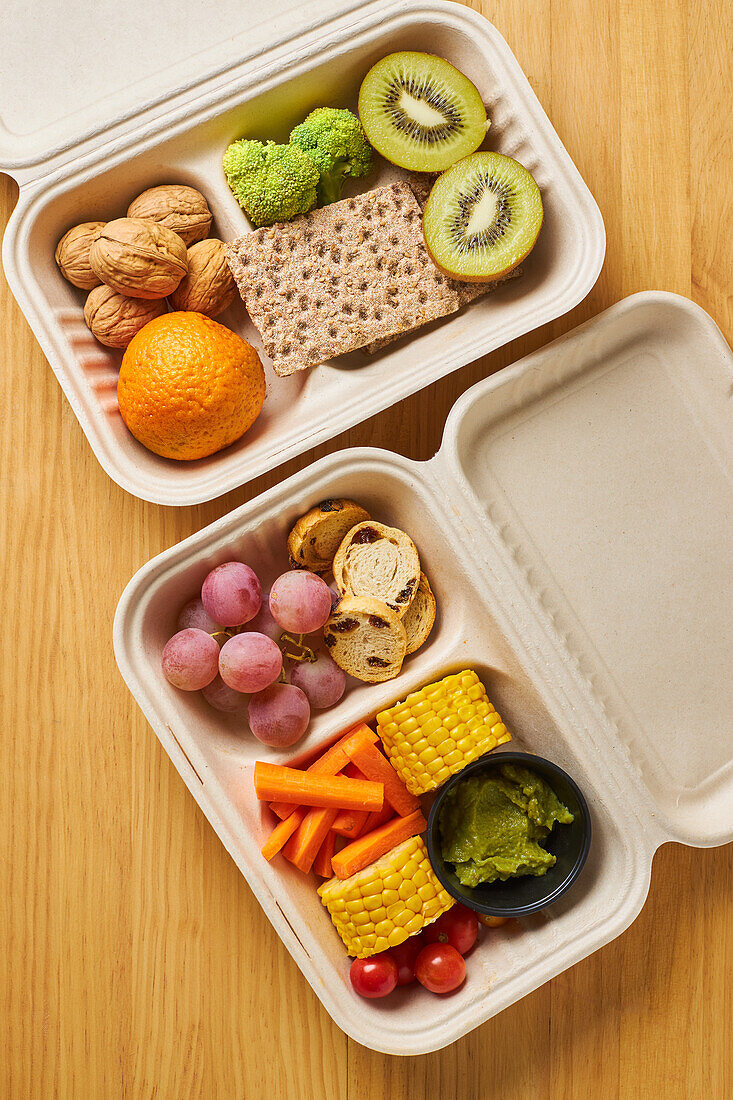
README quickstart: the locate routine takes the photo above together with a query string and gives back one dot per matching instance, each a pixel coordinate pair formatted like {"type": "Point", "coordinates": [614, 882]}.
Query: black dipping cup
{"type": "Point", "coordinates": [518, 897]}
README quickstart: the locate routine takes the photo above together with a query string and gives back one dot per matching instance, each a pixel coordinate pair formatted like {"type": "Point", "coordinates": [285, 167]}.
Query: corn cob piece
{"type": "Point", "coordinates": [386, 902]}
{"type": "Point", "coordinates": [438, 730]}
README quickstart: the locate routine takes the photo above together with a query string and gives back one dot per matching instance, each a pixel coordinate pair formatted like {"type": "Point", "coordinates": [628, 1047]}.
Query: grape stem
{"type": "Point", "coordinates": [303, 651]}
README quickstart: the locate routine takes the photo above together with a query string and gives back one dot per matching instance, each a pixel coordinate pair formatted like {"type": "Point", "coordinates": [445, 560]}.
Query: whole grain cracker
{"type": "Point", "coordinates": [333, 280]}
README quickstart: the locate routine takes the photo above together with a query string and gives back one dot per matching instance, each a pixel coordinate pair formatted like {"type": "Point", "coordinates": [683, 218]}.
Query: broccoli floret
{"type": "Point", "coordinates": [271, 182]}
{"type": "Point", "coordinates": [336, 143]}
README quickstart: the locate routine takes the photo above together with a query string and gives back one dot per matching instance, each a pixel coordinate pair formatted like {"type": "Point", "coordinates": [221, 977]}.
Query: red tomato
{"type": "Point", "coordinates": [375, 977]}
{"type": "Point", "coordinates": [440, 968]}
{"type": "Point", "coordinates": [404, 955]}
{"type": "Point", "coordinates": [492, 922]}
{"type": "Point", "coordinates": [458, 927]}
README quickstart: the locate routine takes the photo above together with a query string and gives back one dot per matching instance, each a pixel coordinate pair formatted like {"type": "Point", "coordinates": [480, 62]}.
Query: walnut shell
{"type": "Point", "coordinates": [137, 258]}
{"type": "Point", "coordinates": [182, 209]}
{"type": "Point", "coordinates": [115, 319]}
{"type": "Point", "coordinates": [209, 286]}
{"type": "Point", "coordinates": [72, 255]}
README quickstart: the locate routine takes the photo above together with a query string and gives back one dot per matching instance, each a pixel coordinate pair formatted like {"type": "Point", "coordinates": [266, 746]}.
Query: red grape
{"type": "Point", "coordinates": [405, 955]}
{"type": "Point", "coordinates": [263, 621]}
{"type": "Point", "coordinates": [458, 927]}
{"type": "Point", "coordinates": [190, 659]}
{"type": "Point", "coordinates": [374, 977]}
{"type": "Point", "coordinates": [193, 614]}
{"type": "Point", "coordinates": [322, 681]}
{"type": "Point", "coordinates": [279, 715]}
{"type": "Point", "coordinates": [231, 594]}
{"type": "Point", "coordinates": [221, 697]}
{"type": "Point", "coordinates": [440, 968]}
{"type": "Point", "coordinates": [300, 601]}
{"type": "Point", "coordinates": [250, 662]}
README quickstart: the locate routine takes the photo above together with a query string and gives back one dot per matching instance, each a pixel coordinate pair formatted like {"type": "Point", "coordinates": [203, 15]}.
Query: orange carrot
{"type": "Point", "coordinates": [376, 767]}
{"type": "Point", "coordinates": [350, 823]}
{"type": "Point", "coordinates": [360, 853]}
{"type": "Point", "coordinates": [322, 862]}
{"type": "Point", "coordinates": [378, 817]}
{"type": "Point", "coordinates": [331, 762]}
{"type": "Point", "coordinates": [273, 782]}
{"type": "Point", "coordinates": [303, 846]}
{"type": "Point", "coordinates": [282, 833]}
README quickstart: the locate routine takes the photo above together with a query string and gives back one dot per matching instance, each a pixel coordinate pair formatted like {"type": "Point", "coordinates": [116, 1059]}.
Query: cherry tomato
{"type": "Point", "coordinates": [492, 922]}
{"type": "Point", "coordinates": [404, 955]}
{"type": "Point", "coordinates": [440, 968]}
{"type": "Point", "coordinates": [458, 927]}
{"type": "Point", "coordinates": [375, 977]}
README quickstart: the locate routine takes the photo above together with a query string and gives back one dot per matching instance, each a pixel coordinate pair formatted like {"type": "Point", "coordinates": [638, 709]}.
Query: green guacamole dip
{"type": "Point", "coordinates": [491, 825]}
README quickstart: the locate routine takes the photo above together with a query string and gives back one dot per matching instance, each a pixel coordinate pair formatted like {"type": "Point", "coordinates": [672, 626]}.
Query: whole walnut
{"type": "Point", "coordinates": [177, 207]}
{"type": "Point", "coordinates": [115, 319]}
{"type": "Point", "coordinates": [72, 255]}
{"type": "Point", "coordinates": [209, 286]}
{"type": "Point", "coordinates": [138, 258]}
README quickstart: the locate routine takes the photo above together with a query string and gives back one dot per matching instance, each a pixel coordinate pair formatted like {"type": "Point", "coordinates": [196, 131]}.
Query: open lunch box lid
{"type": "Point", "coordinates": [82, 73]}
{"type": "Point", "coordinates": [575, 526]}
{"type": "Point", "coordinates": [172, 126]}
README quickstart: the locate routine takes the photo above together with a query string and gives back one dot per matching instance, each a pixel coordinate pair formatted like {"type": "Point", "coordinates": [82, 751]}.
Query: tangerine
{"type": "Point", "coordinates": [188, 386]}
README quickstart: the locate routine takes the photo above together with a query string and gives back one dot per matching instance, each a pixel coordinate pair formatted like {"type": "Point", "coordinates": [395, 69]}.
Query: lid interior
{"type": "Point", "coordinates": [104, 62]}
{"type": "Point", "coordinates": [603, 463]}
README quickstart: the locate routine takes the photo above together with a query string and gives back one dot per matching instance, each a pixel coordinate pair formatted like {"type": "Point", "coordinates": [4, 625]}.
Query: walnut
{"type": "Point", "coordinates": [182, 209]}
{"type": "Point", "coordinates": [209, 286]}
{"type": "Point", "coordinates": [137, 258]}
{"type": "Point", "coordinates": [115, 319]}
{"type": "Point", "coordinates": [72, 255]}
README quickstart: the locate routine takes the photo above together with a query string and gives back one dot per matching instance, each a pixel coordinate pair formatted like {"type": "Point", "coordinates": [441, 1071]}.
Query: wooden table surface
{"type": "Point", "coordinates": [137, 962]}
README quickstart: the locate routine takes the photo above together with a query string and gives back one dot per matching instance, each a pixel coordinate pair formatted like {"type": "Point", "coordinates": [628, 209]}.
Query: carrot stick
{"type": "Point", "coordinates": [303, 846]}
{"type": "Point", "coordinates": [376, 767]}
{"type": "Point", "coordinates": [273, 782]}
{"type": "Point", "coordinates": [360, 853]}
{"type": "Point", "coordinates": [350, 823]}
{"type": "Point", "coordinates": [322, 862]}
{"type": "Point", "coordinates": [378, 817]}
{"type": "Point", "coordinates": [282, 833]}
{"type": "Point", "coordinates": [333, 761]}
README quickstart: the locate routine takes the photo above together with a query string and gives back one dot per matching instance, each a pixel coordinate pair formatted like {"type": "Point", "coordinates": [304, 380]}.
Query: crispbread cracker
{"type": "Point", "coordinates": [331, 281]}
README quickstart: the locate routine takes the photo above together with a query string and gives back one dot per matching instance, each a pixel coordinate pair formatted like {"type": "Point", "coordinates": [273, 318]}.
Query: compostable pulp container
{"type": "Point", "coordinates": [116, 114]}
{"type": "Point", "coordinates": [575, 527]}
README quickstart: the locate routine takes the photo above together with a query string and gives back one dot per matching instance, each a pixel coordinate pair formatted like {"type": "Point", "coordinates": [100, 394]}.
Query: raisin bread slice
{"type": "Point", "coordinates": [418, 622]}
{"type": "Point", "coordinates": [317, 535]}
{"type": "Point", "coordinates": [378, 562]}
{"type": "Point", "coordinates": [366, 639]}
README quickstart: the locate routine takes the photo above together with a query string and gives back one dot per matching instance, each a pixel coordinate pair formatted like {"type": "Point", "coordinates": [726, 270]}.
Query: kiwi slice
{"type": "Point", "coordinates": [482, 217]}
{"type": "Point", "coordinates": [420, 112]}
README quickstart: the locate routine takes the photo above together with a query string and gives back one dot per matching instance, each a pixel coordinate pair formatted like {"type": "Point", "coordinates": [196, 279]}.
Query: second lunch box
{"type": "Point", "coordinates": [575, 527]}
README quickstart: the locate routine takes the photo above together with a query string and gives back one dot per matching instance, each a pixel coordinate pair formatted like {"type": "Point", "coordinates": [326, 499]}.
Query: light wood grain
{"type": "Point", "coordinates": [136, 962]}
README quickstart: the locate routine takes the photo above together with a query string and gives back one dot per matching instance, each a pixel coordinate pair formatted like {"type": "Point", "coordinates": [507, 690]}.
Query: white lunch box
{"type": "Point", "coordinates": [116, 113]}
{"type": "Point", "coordinates": [576, 529]}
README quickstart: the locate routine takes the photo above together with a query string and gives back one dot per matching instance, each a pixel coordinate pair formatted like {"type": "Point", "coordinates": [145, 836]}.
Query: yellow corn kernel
{"type": "Point", "coordinates": [387, 915]}
{"type": "Point", "coordinates": [451, 723]}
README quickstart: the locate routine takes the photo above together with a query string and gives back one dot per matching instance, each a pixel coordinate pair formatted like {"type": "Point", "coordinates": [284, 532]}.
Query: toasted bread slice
{"type": "Point", "coordinates": [366, 639]}
{"type": "Point", "coordinates": [418, 622]}
{"type": "Point", "coordinates": [317, 535]}
{"type": "Point", "coordinates": [379, 562]}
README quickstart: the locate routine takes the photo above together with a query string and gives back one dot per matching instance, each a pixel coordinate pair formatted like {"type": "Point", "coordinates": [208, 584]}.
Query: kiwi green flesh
{"type": "Point", "coordinates": [482, 217]}
{"type": "Point", "coordinates": [420, 112]}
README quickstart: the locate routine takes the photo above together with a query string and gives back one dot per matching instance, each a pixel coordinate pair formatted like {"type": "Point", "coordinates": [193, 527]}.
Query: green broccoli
{"type": "Point", "coordinates": [271, 182]}
{"type": "Point", "coordinates": [336, 143]}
